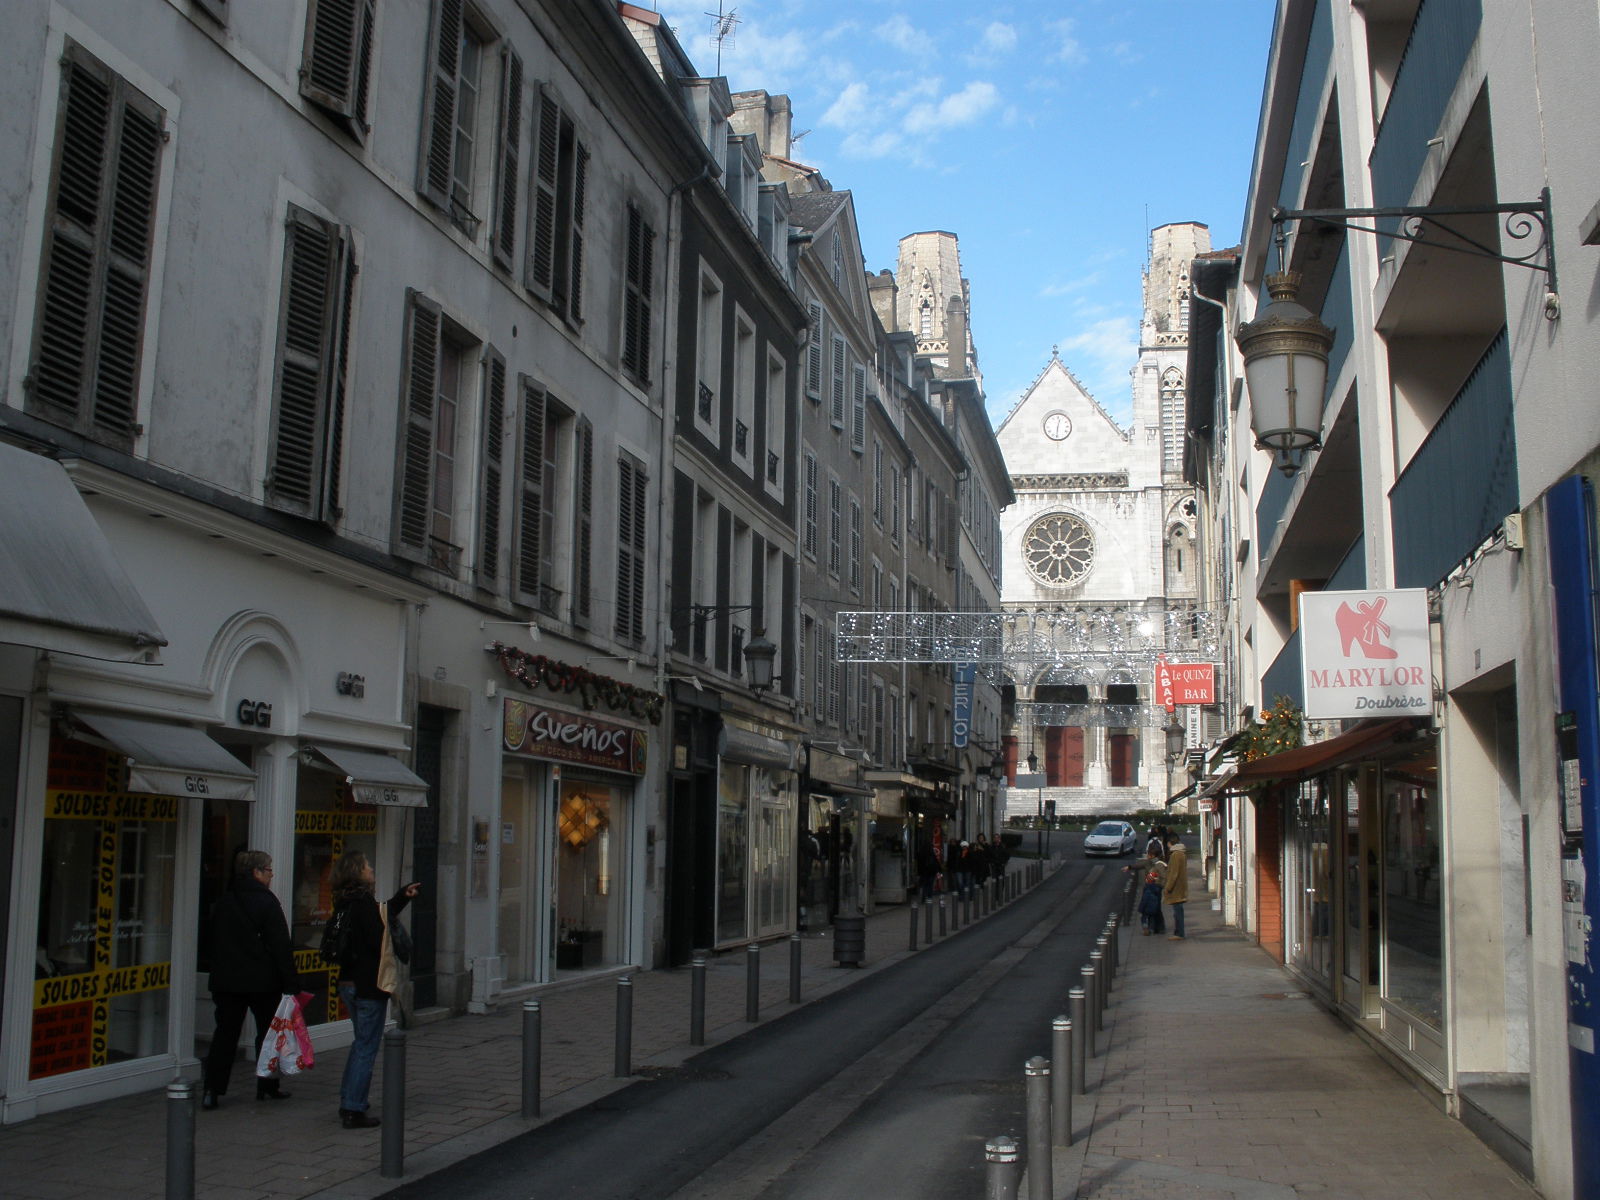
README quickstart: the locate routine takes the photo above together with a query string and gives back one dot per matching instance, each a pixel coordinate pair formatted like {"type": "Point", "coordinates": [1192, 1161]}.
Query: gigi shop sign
{"type": "Point", "coordinates": [573, 737]}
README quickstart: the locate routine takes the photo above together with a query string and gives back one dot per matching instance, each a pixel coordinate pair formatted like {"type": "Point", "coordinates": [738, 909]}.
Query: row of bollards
{"type": "Point", "coordinates": [974, 904]}
{"type": "Point", "coordinates": [1052, 1082]}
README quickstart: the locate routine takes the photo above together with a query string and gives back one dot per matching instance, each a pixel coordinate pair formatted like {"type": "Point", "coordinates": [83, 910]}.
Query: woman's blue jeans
{"type": "Point", "coordinates": [366, 1019]}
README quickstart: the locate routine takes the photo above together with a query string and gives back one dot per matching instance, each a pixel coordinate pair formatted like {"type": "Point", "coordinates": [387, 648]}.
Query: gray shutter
{"type": "Point", "coordinates": [331, 508]}
{"type": "Point", "coordinates": [504, 242]}
{"type": "Point", "coordinates": [633, 485]}
{"type": "Point", "coordinates": [439, 132]}
{"type": "Point", "coordinates": [546, 177]}
{"type": "Point", "coordinates": [494, 421]}
{"type": "Point", "coordinates": [337, 66]}
{"type": "Point", "coordinates": [639, 285]}
{"type": "Point", "coordinates": [530, 493]}
{"type": "Point", "coordinates": [580, 177]}
{"type": "Point", "coordinates": [814, 353]}
{"type": "Point", "coordinates": [837, 401]}
{"type": "Point", "coordinates": [416, 453]}
{"type": "Point", "coordinates": [305, 363]}
{"type": "Point", "coordinates": [858, 410]}
{"type": "Point", "coordinates": [583, 526]}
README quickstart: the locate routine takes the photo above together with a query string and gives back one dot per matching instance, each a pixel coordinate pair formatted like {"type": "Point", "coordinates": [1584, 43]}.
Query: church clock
{"type": "Point", "coordinates": [1057, 426]}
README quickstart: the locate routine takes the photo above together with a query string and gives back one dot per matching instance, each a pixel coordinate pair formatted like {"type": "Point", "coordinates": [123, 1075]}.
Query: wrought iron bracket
{"type": "Point", "coordinates": [1523, 221]}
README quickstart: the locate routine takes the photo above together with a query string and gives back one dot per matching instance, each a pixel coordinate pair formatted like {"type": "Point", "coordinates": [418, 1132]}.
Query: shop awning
{"type": "Point", "coordinates": [757, 749]}
{"type": "Point", "coordinates": [171, 760]}
{"type": "Point", "coordinates": [1183, 795]}
{"type": "Point", "coordinates": [1308, 760]}
{"type": "Point", "coordinates": [373, 778]}
{"type": "Point", "coordinates": [61, 586]}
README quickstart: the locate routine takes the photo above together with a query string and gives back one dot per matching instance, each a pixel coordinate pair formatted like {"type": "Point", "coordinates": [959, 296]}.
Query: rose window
{"type": "Point", "coordinates": [1059, 550]}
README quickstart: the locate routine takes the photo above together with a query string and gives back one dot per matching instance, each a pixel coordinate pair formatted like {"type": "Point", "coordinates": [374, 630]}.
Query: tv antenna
{"type": "Point", "coordinates": [722, 27]}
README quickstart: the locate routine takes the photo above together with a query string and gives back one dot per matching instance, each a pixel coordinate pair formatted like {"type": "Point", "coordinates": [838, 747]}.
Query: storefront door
{"type": "Point", "coordinates": [519, 904]}
{"type": "Point", "coordinates": [10, 763]}
{"type": "Point", "coordinates": [590, 835]}
{"type": "Point", "coordinates": [1358, 899]}
{"type": "Point", "coordinates": [1309, 885]}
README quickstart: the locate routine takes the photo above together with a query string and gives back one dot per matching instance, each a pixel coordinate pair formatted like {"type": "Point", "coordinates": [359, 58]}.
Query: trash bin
{"type": "Point", "coordinates": [849, 940]}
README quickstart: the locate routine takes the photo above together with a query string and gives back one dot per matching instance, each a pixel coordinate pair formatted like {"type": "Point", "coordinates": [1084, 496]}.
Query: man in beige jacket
{"type": "Point", "coordinates": [1176, 890]}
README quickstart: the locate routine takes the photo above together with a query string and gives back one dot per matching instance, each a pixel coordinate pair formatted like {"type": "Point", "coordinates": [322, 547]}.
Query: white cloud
{"type": "Point", "coordinates": [900, 33]}
{"type": "Point", "coordinates": [851, 108]}
{"type": "Point", "coordinates": [1101, 354]}
{"type": "Point", "coordinates": [999, 38]}
{"type": "Point", "coordinates": [959, 108]}
{"type": "Point", "coordinates": [1068, 48]}
{"type": "Point", "coordinates": [1069, 286]}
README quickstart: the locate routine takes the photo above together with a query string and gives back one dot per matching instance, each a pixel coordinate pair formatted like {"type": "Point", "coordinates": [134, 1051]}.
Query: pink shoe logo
{"type": "Point", "coordinates": [1365, 627]}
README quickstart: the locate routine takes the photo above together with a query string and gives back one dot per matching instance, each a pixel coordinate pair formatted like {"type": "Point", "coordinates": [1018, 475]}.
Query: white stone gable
{"type": "Point", "coordinates": [1093, 442]}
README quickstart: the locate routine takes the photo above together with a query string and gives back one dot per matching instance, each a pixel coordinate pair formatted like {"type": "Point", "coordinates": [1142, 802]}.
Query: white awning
{"type": "Point", "coordinates": [61, 586]}
{"type": "Point", "coordinates": [373, 778]}
{"type": "Point", "coordinates": [171, 760]}
{"type": "Point", "coordinates": [757, 749]}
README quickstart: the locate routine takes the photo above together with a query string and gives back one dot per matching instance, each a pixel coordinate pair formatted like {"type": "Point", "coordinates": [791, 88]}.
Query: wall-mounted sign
{"type": "Point", "coordinates": [966, 675]}
{"type": "Point", "coordinates": [573, 737]}
{"type": "Point", "coordinates": [1185, 683]}
{"type": "Point", "coordinates": [348, 683]}
{"type": "Point", "coordinates": [1366, 654]}
{"type": "Point", "coordinates": [256, 714]}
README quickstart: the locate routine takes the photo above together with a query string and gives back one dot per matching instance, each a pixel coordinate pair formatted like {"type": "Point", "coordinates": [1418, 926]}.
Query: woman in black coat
{"type": "Point", "coordinates": [252, 969]}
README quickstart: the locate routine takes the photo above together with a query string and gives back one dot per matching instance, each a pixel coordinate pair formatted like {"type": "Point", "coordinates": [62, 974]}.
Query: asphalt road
{"type": "Point", "coordinates": [887, 1088]}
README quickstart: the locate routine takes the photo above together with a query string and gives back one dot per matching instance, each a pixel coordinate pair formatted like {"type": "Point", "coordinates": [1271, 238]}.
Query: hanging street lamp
{"type": "Point", "coordinates": [1285, 353]}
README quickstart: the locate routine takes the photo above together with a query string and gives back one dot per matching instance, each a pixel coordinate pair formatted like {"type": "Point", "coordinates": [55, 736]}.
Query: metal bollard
{"type": "Point", "coordinates": [1102, 948]}
{"type": "Point", "coordinates": [1002, 1157]}
{"type": "Point", "coordinates": [1097, 965]}
{"type": "Point", "coordinates": [697, 1000]}
{"type": "Point", "coordinates": [794, 968]}
{"type": "Point", "coordinates": [927, 921]}
{"type": "Point", "coordinates": [969, 900]}
{"type": "Point", "coordinates": [1078, 1006]}
{"type": "Point", "coordinates": [752, 983]}
{"type": "Point", "coordinates": [943, 917]}
{"type": "Point", "coordinates": [912, 943]}
{"type": "Point", "coordinates": [1087, 974]}
{"type": "Point", "coordinates": [624, 1064]}
{"type": "Point", "coordinates": [1061, 1082]}
{"type": "Point", "coordinates": [532, 1049]}
{"type": "Point", "coordinates": [1041, 1185]}
{"type": "Point", "coordinates": [180, 1140]}
{"type": "Point", "coordinates": [955, 912]}
{"type": "Point", "coordinates": [393, 1151]}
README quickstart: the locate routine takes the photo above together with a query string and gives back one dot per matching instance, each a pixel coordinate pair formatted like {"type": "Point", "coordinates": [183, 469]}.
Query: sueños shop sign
{"type": "Point", "coordinates": [572, 737]}
{"type": "Point", "coordinates": [1366, 654]}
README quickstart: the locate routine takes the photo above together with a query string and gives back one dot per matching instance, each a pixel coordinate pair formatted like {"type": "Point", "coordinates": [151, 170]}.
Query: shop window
{"type": "Point", "coordinates": [103, 958]}
{"type": "Point", "coordinates": [733, 854]}
{"type": "Point", "coordinates": [1413, 924]}
{"type": "Point", "coordinates": [588, 854]}
{"type": "Point", "coordinates": [327, 823]}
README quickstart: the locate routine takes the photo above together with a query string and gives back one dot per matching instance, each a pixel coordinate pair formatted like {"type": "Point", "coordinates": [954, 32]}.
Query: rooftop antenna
{"type": "Point", "coordinates": [722, 26]}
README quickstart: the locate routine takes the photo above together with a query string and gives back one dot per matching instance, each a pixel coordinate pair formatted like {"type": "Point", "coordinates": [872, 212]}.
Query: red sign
{"type": "Point", "coordinates": [1185, 683]}
{"type": "Point", "coordinates": [573, 737]}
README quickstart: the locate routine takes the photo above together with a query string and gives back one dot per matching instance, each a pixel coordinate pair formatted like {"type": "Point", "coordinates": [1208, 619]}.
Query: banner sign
{"type": "Point", "coordinates": [966, 674]}
{"type": "Point", "coordinates": [573, 737]}
{"type": "Point", "coordinates": [1366, 654]}
{"type": "Point", "coordinates": [1185, 683]}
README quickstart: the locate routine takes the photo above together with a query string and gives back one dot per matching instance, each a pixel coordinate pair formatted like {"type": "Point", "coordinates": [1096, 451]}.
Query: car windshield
{"type": "Point", "coordinates": [1107, 829]}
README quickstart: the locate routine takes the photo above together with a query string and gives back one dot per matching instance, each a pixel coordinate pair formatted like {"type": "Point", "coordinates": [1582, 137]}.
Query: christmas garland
{"type": "Point", "coordinates": [1279, 729]}
{"type": "Point", "coordinates": [534, 671]}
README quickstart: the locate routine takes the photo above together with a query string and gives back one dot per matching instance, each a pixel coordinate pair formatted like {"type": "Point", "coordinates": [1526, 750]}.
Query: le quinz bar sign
{"type": "Point", "coordinates": [1366, 654]}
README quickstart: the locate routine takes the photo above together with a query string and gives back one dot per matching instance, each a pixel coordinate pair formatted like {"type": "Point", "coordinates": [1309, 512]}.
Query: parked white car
{"type": "Point", "coordinates": [1110, 837]}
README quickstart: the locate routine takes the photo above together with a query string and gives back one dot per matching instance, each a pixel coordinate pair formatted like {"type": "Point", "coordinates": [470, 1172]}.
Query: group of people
{"type": "Point", "coordinates": [252, 968]}
{"type": "Point", "coordinates": [1164, 876]}
{"type": "Point", "coordinates": [966, 865]}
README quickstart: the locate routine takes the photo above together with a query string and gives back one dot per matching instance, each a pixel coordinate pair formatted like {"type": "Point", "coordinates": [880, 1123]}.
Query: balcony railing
{"type": "Point", "coordinates": [1442, 35]}
{"type": "Point", "coordinates": [703, 401]}
{"type": "Point", "coordinates": [736, 650]}
{"type": "Point", "coordinates": [1351, 573]}
{"type": "Point", "coordinates": [741, 438]}
{"type": "Point", "coordinates": [1307, 112]}
{"type": "Point", "coordinates": [1462, 481]}
{"type": "Point", "coordinates": [1282, 678]}
{"type": "Point", "coordinates": [1275, 493]}
{"type": "Point", "coordinates": [1338, 312]}
{"type": "Point", "coordinates": [772, 467]}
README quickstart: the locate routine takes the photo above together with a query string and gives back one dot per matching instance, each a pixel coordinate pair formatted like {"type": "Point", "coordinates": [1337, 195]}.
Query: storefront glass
{"type": "Point", "coordinates": [1412, 913]}
{"type": "Point", "coordinates": [589, 841]}
{"type": "Point", "coordinates": [327, 823]}
{"type": "Point", "coordinates": [103, 963]}
{"type": "Point", "coordinates": [774, 857]}
{"type": "Point", "coordinates": [733, 853]}
{"type": "Point", "coordinates": [1311, 887]}
{"type": "Point", "coordinates": [519, 863]}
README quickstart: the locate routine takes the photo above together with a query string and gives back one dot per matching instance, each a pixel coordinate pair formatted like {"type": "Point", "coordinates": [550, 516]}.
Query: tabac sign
{"type": "Point", "coordinates": [1366, 654]}
{"type": "Point", "coordinates": [573, 737]}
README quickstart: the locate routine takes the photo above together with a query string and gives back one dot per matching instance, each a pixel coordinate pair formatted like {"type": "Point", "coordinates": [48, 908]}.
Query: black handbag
{"type": "Point", "coordinates": [399, 939]}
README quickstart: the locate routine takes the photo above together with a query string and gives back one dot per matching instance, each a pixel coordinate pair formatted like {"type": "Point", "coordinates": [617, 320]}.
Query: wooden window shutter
{"type": "Point", "coordinates": [583, 526]}
{"type": "Point", "coordinates": [858, 409]}
{"type": "Point", "coordinates": [95, 275]}
{"type": "Point", "coordinates": [444, 66]}
{"type": "Point", "coordinates": [530, 492]}
{"type": "Point", "coordinates": [313, 352]}
{"type": "Point", "coordinates": [631, 559]}
{"type": "Point", "coordinates": [811, 504]}
{"type": "Point", "coordinates": [814, 353]}
{"type": "Point", "coordinates": [546, 179]}
{"type": "Point", "coordinates": [336, 71]}
{"type": "Point", "coordinates": [639, 284]}
{"type": "Point", "coordinates": [424, 323]}
{"type": "Point", "coordinates": [580, 176]}
{"type": "Point", "coordinates": [837, 399]}
{"type": "Point", "coordinates": [504, 242]}
{"type": "Point", "coordinates": [494, 429]}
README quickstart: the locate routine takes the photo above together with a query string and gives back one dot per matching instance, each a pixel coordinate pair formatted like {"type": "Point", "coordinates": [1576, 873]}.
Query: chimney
{"type": "Point", "coordinates": [955, 333]}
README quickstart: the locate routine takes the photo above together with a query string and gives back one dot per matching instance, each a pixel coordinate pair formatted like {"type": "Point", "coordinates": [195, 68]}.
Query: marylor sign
{"type": "Point", "coordinates": [1366, 654]}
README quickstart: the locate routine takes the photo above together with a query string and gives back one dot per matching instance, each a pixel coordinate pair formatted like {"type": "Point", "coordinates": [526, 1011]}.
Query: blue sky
{"type": "Point", "coordinates": [1050, 137]}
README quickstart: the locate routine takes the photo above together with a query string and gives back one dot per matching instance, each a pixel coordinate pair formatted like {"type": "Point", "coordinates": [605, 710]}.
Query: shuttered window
{"type": "Point", "coordinates": [313, 354]}
{"type": "Point", "coordinates": [858, 409]}
{"type": "Point", "coordinates": [814, 352]}
{"type": "Point", "coordinates": [837, 399]}
{"type": "Point", "coordinates": [336, 72]}
{"type": "Point", "coordinates": [530, 533]}
{"type": "Point", "coordinates": [95, 274]}
{"type": "Point", "coordinates": [555, 240]}
{"type": "Point", "coordinates": [633, 486]}
{"type": "Point", "coordinates": [436, 362]}
{"type": "Point", "coordinates": [638, 288]}
{"type": "Point", "coordinates": [855, 545]}
{"type": "Point", "coordinates": [835, 525]}
{"type": "Point", "coordinates": [582, 524]}
{"type": "Point", "coordinates": [492, 470]}
{"type": "Point", "coordinates": [508, 160]}
{"type": "Point", "coordinates": [811, 505]}
{"type": "Point", "coordinates": [455, 115]}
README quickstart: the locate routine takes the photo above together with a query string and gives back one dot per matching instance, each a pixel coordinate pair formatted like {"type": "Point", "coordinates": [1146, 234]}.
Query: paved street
{"type": "Point", "coordinates": [1217, 1079]}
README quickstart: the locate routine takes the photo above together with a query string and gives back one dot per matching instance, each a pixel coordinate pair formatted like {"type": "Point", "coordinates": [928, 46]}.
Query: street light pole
{"type": "Point", "coordinates": [1038, 820]}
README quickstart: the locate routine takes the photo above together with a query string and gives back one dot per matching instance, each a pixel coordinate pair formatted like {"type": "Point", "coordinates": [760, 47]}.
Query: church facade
{"type": "Point", "coordinates": [1102, 529]}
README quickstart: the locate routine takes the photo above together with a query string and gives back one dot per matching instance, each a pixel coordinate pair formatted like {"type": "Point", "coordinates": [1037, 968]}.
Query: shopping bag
{"type": "Point", "coordinates": [302, 1035]}
{"type": "Point", "coordinates": [280, 1049]}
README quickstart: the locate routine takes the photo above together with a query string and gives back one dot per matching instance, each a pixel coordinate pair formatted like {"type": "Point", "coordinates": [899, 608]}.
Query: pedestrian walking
{"type": "Point", "coordinates": [252, 969]}
{"type": "Point", "coordinates": [1176, 890]}
{"type": "Point", "coordinates": [367, 972]}
{"type": "Point", "coordinates": [980, 862]}
{"type": "Point", "coordinates": [928, 871]}
{"type": "Point", "coordinates": [1156, 847]}
{"type": "Point", "coordinates": [1150, 873]}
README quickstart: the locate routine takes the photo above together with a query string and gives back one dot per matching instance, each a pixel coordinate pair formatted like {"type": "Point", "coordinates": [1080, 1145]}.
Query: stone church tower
{"type": "Point", "coordinates": [1103, 525]}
